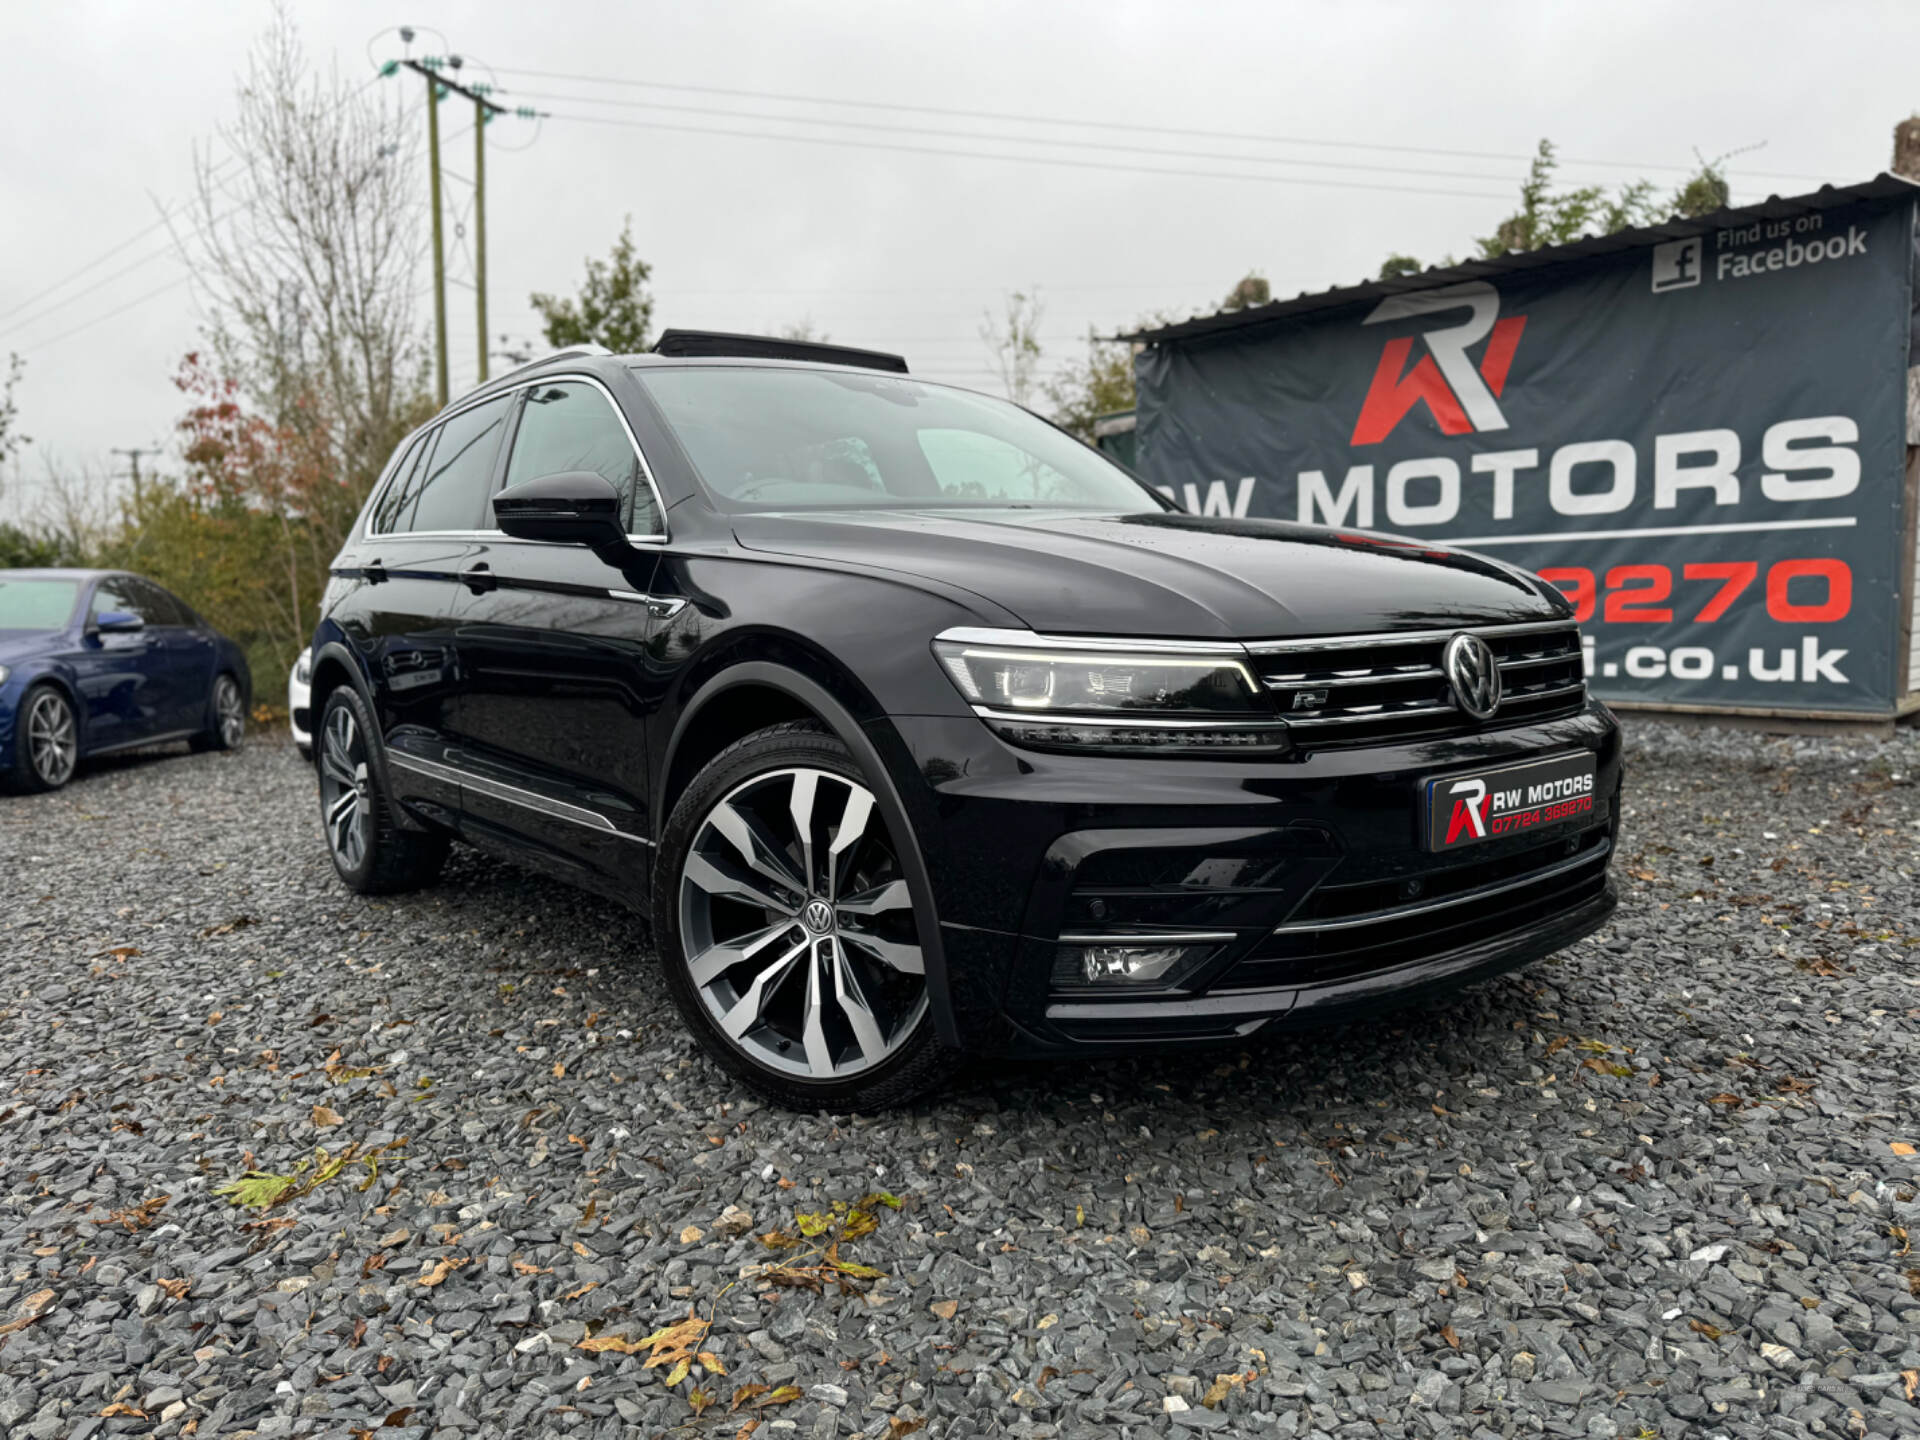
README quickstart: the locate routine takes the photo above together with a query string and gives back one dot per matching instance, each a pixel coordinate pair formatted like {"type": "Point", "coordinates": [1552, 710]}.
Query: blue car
{"type": "Point", "coordinates": [93, 661]}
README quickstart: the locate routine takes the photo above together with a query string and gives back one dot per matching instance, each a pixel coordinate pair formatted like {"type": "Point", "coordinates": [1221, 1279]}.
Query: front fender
{"type": "Point", "coordinates": [852, 733]}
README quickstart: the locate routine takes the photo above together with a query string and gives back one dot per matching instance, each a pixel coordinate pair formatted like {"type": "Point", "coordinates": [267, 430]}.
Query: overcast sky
{"type": "Point", "coordinates": [873, 239]}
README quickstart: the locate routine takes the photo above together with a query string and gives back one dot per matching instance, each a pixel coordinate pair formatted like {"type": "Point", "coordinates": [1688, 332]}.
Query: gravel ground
{"type": "Point", "coordinates": [1657, 1186]}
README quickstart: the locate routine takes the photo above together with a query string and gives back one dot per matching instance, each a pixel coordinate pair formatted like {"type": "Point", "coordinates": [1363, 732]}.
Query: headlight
{"type": "Point", "coordinates": [1110, 697]}
{"type": "Point", "coordinates": [303, 667]}
{"type": "Point", "coordinates": [4, 673]}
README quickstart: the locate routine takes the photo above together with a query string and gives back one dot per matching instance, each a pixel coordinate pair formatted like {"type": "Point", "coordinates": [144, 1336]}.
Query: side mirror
{"type": "Point", "coordinates": [111, 621]}
{"type": "Point", "coordinates": [575, 507]}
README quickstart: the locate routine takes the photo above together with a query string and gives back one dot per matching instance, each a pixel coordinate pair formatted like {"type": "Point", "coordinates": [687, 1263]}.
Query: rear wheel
{"type": "Point", "coordinates": [371, 852]}
{"type": "Point", "coordinates": [46, 741]}
{"type": "Point", "coordinates": [788, 927]}
{"type": "Point", "coordinates": [226, 717]}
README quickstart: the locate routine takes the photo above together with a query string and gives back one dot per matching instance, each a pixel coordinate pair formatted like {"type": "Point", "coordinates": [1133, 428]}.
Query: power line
{"type": "Point", "coordinates": [1108, 145]}
{"type": "Point", "coordinates": [1135, 128]}
{"type": "Point", "coordinates": [118, 310]}
{"type": "Point", "coordinates": [1034, 159]}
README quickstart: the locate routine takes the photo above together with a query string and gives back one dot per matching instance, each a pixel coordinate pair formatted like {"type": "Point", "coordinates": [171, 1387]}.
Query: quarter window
{"type": "Point", "coordinates": [399, 492]}
{"type": "Point", "coordinates": [570, 425]}
{"type": "Point", "coordinates": [453, 484]}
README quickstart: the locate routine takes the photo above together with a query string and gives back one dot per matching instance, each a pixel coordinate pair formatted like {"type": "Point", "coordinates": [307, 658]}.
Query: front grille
{"type": "Point", "coordinates": [1347, 930]}
{"type": "Point", "coordinates": [1368, 689]}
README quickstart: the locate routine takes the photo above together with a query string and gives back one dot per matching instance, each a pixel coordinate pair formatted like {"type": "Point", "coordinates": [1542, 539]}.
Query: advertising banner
{"type": "Point", "coordinates": [1700, 442]}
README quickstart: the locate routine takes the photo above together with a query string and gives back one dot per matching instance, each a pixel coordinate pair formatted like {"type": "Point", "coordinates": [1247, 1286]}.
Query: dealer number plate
{"type": "Point", "coordinates": [1493, 804]}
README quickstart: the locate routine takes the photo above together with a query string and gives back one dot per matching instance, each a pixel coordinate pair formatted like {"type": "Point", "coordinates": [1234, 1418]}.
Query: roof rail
{"type": "Point", "coordinates": [702, 344]}
{"type": "Point", "coordinates": [585, 347]}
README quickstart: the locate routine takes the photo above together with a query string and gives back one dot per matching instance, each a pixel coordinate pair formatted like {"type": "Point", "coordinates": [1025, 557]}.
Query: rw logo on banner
{"type": "Point", "coordinates": [1461, 397]}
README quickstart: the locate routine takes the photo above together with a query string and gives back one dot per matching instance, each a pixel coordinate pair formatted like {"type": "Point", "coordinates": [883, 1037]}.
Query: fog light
{"type": "Point", "coordinates": [1102, 962]}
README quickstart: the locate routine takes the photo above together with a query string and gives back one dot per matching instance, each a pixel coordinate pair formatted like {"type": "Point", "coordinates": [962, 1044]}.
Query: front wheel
{"type": "Point", "coordinates": [226, 717]}
{"type": "Point", "coordinates": [371, 852]}
{"type": "Point", "coordinates": [788, 930]}
{"type": "Point", "coordinates": [46, 741]}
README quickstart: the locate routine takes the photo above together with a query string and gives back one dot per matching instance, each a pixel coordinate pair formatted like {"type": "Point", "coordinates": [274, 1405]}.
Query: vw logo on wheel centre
{"type": "Point", "coordinates": [1473, 674]}
{"type": "Point", "coordinates": [819, 916]}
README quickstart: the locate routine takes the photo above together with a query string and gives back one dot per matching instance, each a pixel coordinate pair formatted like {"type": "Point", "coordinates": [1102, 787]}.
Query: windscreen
{"type": "Point", "coordinates": [764, 438]}
{"type": "Point", "coordinates": [37, 604]}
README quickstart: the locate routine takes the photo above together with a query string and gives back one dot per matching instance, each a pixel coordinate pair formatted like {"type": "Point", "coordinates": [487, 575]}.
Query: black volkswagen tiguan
{"type": "Point", "coordinates": [920, 729]}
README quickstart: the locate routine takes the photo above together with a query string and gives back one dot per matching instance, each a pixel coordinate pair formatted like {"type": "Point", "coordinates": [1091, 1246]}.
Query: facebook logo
{"type": "Point", "coordinates": [1676, 265]}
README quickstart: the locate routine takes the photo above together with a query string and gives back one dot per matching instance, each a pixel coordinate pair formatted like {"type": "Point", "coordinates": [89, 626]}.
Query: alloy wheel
{"type": "Point", "coordinates": [346, 799]}
{"type": "Point", "coordinates": [798, 926]}
{"type": "Point", "coordinates": [228, 712]}
{"type": "Point", "coordinates": [53, 741]}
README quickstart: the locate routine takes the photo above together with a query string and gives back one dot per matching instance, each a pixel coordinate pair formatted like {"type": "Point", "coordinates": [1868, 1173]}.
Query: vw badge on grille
{"type": "Point", "coordinates": [1474, 676]}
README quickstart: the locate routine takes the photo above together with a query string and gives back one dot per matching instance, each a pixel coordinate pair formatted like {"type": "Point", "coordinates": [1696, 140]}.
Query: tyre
{"type": "Point", "coordinates": [226, 717]}
{"type": "Point", "coordinates": [46, 741]}
{"type": "Point", "coordinates": [787, 927]}
{"type": "Point", "coordinates": [371, 853]}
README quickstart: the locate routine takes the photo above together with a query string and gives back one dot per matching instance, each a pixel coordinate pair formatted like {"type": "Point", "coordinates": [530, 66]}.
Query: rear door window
{"type": "Point", "coordinates": [571, 425]}
{"type": "Point", "coordinates": [155, 604]}
{"type": "Point", "coordinates": [452, 489]}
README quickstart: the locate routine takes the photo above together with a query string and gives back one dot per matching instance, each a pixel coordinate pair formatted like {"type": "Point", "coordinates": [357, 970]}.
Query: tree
{"type": "Point", "coordinates": [1099, 383]}
{"type": "Point", "coordinates": [1251, 290]}
{"type": "Point", "coordinates": [614, 308]}
{"type": "Point", "coordinates": [1013, 342]}
{"type": "Point", "coordinates": [10, 437]}
{"type": "Point", "coordinates": [306, 257]}
{"type": "Point", "coordinates": [1550, 216]}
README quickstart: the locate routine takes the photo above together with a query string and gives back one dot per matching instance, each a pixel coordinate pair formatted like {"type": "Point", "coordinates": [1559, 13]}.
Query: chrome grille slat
{"type": "Point", "coordinates": [1375, 688]}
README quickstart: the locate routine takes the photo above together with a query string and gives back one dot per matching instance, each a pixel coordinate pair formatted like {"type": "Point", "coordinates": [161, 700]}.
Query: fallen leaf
{"type": "Point", "coordinates": [1448, 1334]}
{"type": "Point", "coordinates": [711, 1361]}
{"type": "Point", "coordinates": [1701, 1327]}
{"type": "Point", "coordinates": [742, 1395]}
{"type": "Point", "coordinates": [945, 1309]}
{"type": "Point", "coordinates": [522, 1267]}
{"type": "Point", "coordinates": [441, 1270]}
{"type": "Point", "coordinates": [28, 1311]}
{"type": "Point", "coordinates": [692, 1235]}
{"type": "Point", "coordinates": [700, 1400]}
{"type": "Point", "coordinates": [1911, 1378]}
{"type": "Point", "coordinates": [122, 1408]}
{"type": "Point", "coordinates": [176, 1288]}
{"type": "Point", "coordinates": [1900, 1147]}
{"type": "Point", "coordinates": [559, 1069]}
{"type": "Point", "coordinates": [897, 1427]}
{"type": "Point", "coordinates": [324, 1118]}
{"type": "Point", "coordinates": [576, 1294]}
{"type": "Point", "coordinates": [785, 1395]}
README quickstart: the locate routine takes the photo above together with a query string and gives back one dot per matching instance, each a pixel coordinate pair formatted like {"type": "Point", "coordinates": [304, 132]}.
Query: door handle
{"type": "Point", "coordinates": [479, 578]}
{"type": "Point", "coordinates": [374, 571]}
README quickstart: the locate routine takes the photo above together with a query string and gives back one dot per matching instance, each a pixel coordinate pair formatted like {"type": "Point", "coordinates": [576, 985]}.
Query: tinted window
{"type": "Point", "coordinates": [393, 501]}
{"type": "Point", "coordinates": [116, 593]}
{"type": "Point", "coordinates": [451, 493]}
{"type": "Point", "coordinates": [155, 604]}
{"type": "Point", "coordinates": [37, 604]}
{"type": "Point", "coordinates": [788, 438]}
{"type": "Point", "coordinates": [572, 426]}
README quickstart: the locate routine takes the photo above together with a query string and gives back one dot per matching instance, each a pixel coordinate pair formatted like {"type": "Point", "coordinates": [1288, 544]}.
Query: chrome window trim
{"type": "Point", "coordinates": [512, 794]}
{"type": "Point", "coordinates": [646, 468]}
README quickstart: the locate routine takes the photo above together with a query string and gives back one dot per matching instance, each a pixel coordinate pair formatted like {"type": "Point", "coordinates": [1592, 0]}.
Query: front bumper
{"type": "Point", "coordinates": [1309, 873]}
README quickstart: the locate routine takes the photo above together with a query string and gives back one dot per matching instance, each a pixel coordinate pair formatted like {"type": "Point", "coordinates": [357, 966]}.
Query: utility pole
{"type": "Point", "coordinates": [480, 118]}
{"type": "Point", "coordinates": [439, 253]}
{"type": "Point", "coordinates": [484, 110]}
{"type": "Point", "coordinates": [133, 458]}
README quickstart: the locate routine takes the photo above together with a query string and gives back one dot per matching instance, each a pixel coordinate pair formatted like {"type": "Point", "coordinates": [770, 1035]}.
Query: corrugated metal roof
{"type": "Point", "coordinates": [1882, 186]}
